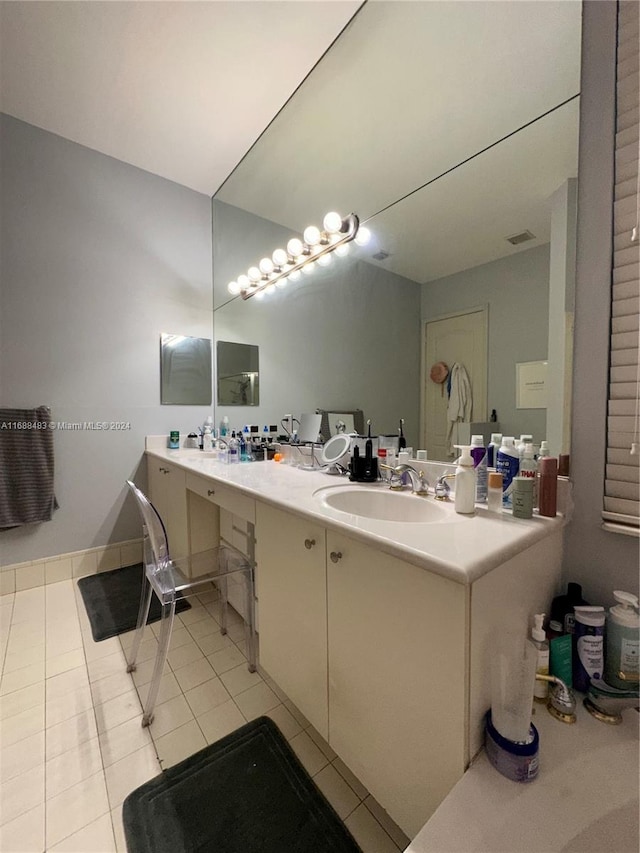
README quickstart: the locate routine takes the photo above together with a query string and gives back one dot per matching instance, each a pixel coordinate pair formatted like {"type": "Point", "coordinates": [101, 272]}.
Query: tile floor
{"type": "Point", "coordinates": [71, 743]}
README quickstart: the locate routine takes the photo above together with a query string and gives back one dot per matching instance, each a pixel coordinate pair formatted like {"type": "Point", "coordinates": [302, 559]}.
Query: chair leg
{"type": "Point", "coordinates": [166, 624]}
{"type": "Point", "coordinates": [143, 615]}
{"type": "Point", "coordinates": [223, 604]}
{"type": "Point", "coordinates": [250, 622]}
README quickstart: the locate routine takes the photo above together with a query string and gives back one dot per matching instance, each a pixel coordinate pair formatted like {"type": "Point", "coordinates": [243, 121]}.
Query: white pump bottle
{"type": "Point", "coordinates": [465, 483]}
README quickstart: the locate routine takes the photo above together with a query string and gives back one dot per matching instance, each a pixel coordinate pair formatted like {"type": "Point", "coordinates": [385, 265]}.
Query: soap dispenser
{"type": "Point", "coordinates": [622, 642]}
{"type": "Point", "coordinates": [465, 482]}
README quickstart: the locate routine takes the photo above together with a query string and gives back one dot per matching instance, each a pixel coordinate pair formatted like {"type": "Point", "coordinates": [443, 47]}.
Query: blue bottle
{"type": "Point", "coordinates": [508, 464]}
{"type": "Point", "coordinates": [492, 449]}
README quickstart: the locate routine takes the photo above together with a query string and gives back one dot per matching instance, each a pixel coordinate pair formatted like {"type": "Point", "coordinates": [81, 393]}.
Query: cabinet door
{"type": "Point", "coordinates": [397, 675]}
{"type": "Point", "coordinates": [167, 492]}
{"type": "Point", "coordinates": [292, 596]}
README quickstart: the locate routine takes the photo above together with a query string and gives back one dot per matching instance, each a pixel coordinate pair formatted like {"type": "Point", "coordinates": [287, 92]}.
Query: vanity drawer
{"type": "Point", "coordinates": [222, 496]}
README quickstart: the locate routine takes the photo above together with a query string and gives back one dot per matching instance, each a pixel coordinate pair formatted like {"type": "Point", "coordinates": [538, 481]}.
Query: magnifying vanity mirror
{"type": "Point", "coordinates": [451, 129]}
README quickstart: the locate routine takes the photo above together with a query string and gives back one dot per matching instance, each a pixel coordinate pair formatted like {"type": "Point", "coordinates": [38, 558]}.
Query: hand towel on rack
{"type": "Point", "coordinates": [26, 467]}
{"type": "Point", "coordinates": [460, 400]}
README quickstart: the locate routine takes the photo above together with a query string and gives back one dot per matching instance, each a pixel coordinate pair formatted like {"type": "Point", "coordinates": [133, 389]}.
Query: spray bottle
{"type": "Point", "coordinates": [479, 456]}
{"type": "Point", "coordinates": [465, 483]}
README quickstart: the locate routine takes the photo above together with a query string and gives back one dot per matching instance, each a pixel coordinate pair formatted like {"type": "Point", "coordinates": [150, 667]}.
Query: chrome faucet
{"type": "Point", "coordinates": [419, 483]}
{"type": "Point", "coordinates": [442, 488]}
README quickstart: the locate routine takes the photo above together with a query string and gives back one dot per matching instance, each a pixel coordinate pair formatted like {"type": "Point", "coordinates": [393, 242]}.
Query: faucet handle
{"type": "Point", "coordinates": [442, 489]}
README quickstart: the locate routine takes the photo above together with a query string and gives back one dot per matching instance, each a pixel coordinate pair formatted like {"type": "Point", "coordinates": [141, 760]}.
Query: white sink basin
{"type": "Point", "coordinates": [383, 504]}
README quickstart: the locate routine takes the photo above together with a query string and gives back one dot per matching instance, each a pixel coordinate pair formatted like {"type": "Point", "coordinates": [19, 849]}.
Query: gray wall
{"type": "Point", "coordinates": [346, 337]}
{"type": "Point", "coordinates": [516, 291]}
{"type": "Point", "coordinates": [601, 560]}
{"type": "Point", "coordinates": [97, 259]}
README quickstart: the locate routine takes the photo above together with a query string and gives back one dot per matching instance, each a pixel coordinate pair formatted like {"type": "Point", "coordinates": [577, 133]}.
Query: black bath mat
{"type": "Point", "coordinates": [112, 600]}
{"type": "Point", "coordinates": [247, 793]}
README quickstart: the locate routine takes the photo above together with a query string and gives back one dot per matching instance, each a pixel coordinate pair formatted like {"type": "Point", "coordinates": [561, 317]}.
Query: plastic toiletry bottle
{"type": "Point", "coordinates": [548, 486]}
{"type": "Point", "coordinates": [562, 606]}
{"type": "Point", "coordinates": [234, 449]}
{"type": "Point", "coordinates": [539, 640]}
{"type": "Point", "coordinates": [224, 427]}
{"type": "Point", "coordinates": [559, 652]}
{"type": "Point", "coordinates": [402, 442]}
{"type": "Point", "coordinates": [479, 456]}
{"type": "Point", "coordinates": [207, 439]}
{"type": "Point", "coordinates": [623, 642]}
{"type": "Point", "coordinates": [508, 464]}
{"type": "Point", "coordinates": [522, 497]}
{"type": "Point", "coordinates": [544, 449]}
{"type": "Point", "coordinates": [525, 439]}
{"type": "Point", "coordinates": [588, 646]}
{"type": "Point", "coordinates": [465, 482]}
{"type": "Point", "coordinates": [242, 447]}
{"type": "Point", "coordinates": [492, 449]}
{"type": "Point", "coordinates": [494, 492]}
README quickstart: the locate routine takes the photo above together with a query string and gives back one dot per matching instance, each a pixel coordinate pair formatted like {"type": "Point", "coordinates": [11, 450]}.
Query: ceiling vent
{"type": "Point", "coordinates": [381, 255]}
{"type": "Point", "coordinates": [522, 237]}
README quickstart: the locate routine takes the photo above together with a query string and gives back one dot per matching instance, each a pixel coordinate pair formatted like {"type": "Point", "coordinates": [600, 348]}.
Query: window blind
{"type": "Point", "coordinates": [622, 479]}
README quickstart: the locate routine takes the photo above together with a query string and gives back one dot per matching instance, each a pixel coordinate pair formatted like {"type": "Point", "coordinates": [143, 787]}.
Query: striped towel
{"type": "Point", "coordinates": [26, 467]}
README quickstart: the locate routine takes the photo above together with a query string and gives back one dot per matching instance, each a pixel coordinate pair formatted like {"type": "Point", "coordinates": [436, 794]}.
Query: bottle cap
{"type": "Point", "coordinates": [477, 441]}
{"type": "Point", "coordinates": [555, 626]}
{"type": "Point", "coordinates": [537, 632]}
{"type": "Point", "coordinates": [626, 611]}
{"type": "Point", "coordinates": [496, 437]}
{"type": "Point", "coordinates": [548, 466]}
{"type": "Point", "coordinates": [563, 465]}
{"type": "Point", "coordinates": [508, 440]}
{"type": "Point", "coordinates": [494, 480]}
{"type": "Point", "coordinates": [527, 453]}
{"type": "Point", "coordinates": [589, 615]}
{"type": "Point", "coordinates": [465, 460]}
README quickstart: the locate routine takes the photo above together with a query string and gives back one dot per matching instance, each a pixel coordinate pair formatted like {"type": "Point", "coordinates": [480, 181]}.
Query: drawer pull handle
{"type": "Point", "coordinates": [211, 492]}
{"type": "Point", "coordinates": [309, 543]}
{"type": "Point", "coordinates": [335, 556]}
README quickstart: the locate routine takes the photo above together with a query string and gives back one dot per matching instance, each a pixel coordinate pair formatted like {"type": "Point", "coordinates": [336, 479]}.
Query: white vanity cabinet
{"type": "Point", "coordinates": [397, 640]}
{"type": "Point", "coordinates": [167, 492]}
{"type": "Point", "coordinates": [373, 652]}
{"type": "Point", "coordinates": [292, 607]}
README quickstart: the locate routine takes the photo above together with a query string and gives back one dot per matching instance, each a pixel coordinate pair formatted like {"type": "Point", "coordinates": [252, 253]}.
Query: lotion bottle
{"type": "Point", "coordinates": [479, 456]}
{"type": "Point", "coordinates": [465, 482]}
{"type": "Point", "coordinates": [622, 642]}
{"type": "Point", "coordinates": [539, 639]}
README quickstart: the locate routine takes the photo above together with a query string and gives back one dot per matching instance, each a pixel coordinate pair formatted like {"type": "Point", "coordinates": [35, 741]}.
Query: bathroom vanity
{"type": "Point", "coordinates": [377, 622]}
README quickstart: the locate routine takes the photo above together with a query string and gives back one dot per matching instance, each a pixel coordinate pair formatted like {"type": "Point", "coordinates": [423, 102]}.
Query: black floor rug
{"type": "Point", "coordinates": [112, 600]}
{"type": "Point", "coordinates": [247, 793]}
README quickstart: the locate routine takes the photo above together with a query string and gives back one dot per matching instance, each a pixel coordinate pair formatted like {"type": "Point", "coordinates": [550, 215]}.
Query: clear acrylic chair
{"type": "Point", "coordinates": [171, 580]}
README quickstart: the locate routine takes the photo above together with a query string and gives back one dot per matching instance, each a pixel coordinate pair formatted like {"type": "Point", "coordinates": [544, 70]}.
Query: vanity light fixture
{"type": "Point", "coordinates": [301, 255]}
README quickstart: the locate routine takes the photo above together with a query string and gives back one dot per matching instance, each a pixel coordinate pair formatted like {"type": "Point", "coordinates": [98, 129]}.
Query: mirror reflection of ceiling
{"type": "Point", "coordinates": [408, 92]}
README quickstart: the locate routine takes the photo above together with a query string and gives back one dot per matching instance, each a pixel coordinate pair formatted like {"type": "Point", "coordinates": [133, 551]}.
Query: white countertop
{"type": "Point", "coordinates": [462, 549]}
{"type": "Point", "coordinates": [584, 799]}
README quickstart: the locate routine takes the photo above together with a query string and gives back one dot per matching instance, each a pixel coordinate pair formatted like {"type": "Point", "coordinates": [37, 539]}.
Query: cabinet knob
{"type": "Point", "coordinates": [211, 492]}
{"type": "Point", "coordinates": [309, 543]}
{"type": "Point", "coordinates": [335, 556]}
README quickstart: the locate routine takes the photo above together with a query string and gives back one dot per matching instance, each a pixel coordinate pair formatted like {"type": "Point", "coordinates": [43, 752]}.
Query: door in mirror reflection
{"type": "Point", "coordinates": [238, 374]}
{"type": "Point", "coordinates": [185, 370]}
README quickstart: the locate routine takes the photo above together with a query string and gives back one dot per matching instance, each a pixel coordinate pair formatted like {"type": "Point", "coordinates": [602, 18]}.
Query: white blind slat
{"type": "Point", "coordinates": [626, 373]}
{"type": "Point", "coordinates": [625, 307]}
{"type": "Point", "coordinates": [624, 340]}
{"type": "Point", "coordinates": [624, 356]}
{"type": "Point", "coordinates": [623, 457]}
{"type": "Point", "coordinates": [630, 272]}
{"type": "Point", "coordinates": [626, 289]}
{"type": "Point", "coordinates": [622, 407]}
{"type": "Point", "coordinates": [623, 390]}
{"type": "Point", "coordinates": [624, 473]}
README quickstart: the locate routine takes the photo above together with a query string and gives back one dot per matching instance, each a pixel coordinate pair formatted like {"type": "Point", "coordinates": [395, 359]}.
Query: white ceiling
{"type": "Point", "coordinates": [181, 89]}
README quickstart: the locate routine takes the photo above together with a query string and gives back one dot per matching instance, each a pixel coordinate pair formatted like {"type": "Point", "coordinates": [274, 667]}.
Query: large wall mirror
{"type": "Point", "coordinates": [451, 129]}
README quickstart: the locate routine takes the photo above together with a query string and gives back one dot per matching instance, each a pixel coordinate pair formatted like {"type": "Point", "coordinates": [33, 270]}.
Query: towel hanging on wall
{"type": "Point", "coordinates": [26, 467]}
{"type": "Point", "coordinates": [460, 401]}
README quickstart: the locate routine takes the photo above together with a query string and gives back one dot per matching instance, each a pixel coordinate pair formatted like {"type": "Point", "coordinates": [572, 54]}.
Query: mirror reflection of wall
{"type": "Point", "coordinates": [185, 370]}
{"type": "Point", "coordinates": [353, 334]}
{"type": "Point", "coordinates": [237, 369]}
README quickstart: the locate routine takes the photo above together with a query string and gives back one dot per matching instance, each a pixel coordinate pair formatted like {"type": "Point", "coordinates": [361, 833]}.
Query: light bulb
{"type": "Point", "coordinates": [270, 288]}
{"type": "Point", "coordinates": [342, 250]}
{"type": "Point", "coordinates": [363, 236]}
{"type": "Point", "coordinates": [332, 223]}
{"type": "Point", "coordinates": [311, 235]}
{"type": "Point", "coordinates": [266, 266]}
{"type": "Point", "coordinates": [254, 274]}
{"type": "Point", "coordinates": [243, 282]}
{"type": "Point", "coordinates": [309, 268]}
{"type": "Point", "coordinates": [233, 287]}
{"type": "Point", "coordinates": [294, 247]}
{"type": "Point", "coordinates": [280, 257]}
{"type": "Point", "coordinates": [324, 260]}
{"type": "Point", "coordinates": [294, 275]}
